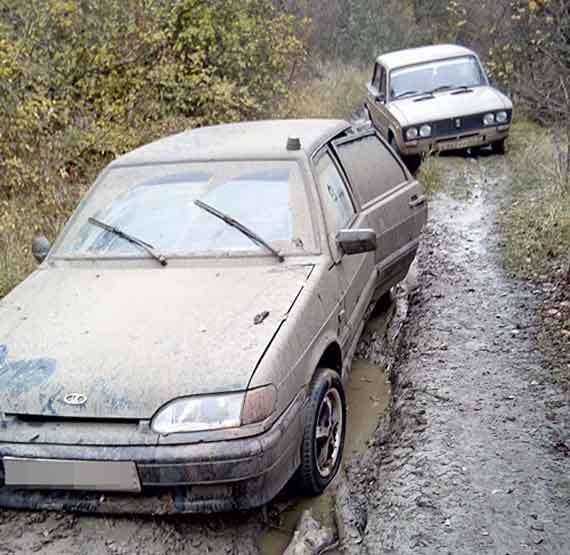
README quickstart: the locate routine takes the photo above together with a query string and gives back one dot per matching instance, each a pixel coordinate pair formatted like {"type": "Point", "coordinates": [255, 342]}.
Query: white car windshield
{"type": "Point", "coordinates": [432, 76]}
{"type": "Point", "coordinates": [156, 204]}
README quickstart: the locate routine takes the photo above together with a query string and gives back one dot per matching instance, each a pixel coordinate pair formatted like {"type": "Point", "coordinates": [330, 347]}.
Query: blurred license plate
{"type": "Point", "coordinates": [75, 475]}
{"type": "Point", "coordinates": [462, 143]}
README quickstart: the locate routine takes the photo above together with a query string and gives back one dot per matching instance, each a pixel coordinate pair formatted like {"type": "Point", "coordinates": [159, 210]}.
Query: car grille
{"type": "Point", "coordinates": [468, 123]}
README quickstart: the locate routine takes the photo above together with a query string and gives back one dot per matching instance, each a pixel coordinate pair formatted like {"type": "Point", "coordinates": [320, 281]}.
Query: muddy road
{"type": "Point", "coordinates": [476, 455]}
{"type": "Point", "coordinates": [470, 454]}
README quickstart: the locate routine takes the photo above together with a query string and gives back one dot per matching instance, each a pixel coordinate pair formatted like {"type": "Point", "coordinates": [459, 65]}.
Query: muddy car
{"type": "Point", "coordinates": [184, 344]}
{"type": "Point", "coordinates": [436, 98]}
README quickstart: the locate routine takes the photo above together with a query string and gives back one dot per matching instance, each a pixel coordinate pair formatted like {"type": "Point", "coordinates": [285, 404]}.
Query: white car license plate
{"type": "Point", "coordinates": [461, 143]}
{"type": "Point", "coordinates": [75, 475]}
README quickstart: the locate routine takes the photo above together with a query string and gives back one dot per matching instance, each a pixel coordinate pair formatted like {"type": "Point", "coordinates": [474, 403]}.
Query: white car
{"type": "Point", "coordinates": [436, 98]}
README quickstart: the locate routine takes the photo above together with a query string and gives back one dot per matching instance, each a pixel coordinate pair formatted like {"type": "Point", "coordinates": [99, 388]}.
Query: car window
{"type": "Point", "coordinates": [379, 79]}
{"type": "Point", "coordinates": [376, 77]}
{"type": "Point", "coordinates": [334, 194]}
{"type": "Point", "coordinates": [267, 197]}
{"type": "Point", "coordinates": [382, 80]}
{"type": "Point", "coordinates": [453, 72]}
{"type": "Point", "coordinates": [372, 168]}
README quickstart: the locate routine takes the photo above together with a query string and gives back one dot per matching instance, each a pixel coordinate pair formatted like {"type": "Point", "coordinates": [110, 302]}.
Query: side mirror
{"type": "Point", "coordinates": [40, 247]}
{"type": "Point", "coordinates": [355, 241]}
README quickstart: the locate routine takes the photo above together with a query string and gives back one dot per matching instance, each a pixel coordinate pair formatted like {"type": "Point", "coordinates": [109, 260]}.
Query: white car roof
{"type": "Point", "coordinates": [410, 56]}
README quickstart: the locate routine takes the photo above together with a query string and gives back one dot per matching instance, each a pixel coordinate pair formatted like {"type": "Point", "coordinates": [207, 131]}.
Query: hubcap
{"type": "Point", "coordinates": [328, 434]}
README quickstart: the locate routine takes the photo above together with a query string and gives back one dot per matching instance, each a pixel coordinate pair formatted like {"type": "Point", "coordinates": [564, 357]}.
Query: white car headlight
{"type": "Point", "coordinates": [501, 117]}
{"type": "Point", "coordinates": [488, 119]}
{"type": "Point", "coordinates": [411, 134]}
{"type": "Point", "coordinates": [215, 412]}
{"type": "Point", "coordinates": [425, 131]}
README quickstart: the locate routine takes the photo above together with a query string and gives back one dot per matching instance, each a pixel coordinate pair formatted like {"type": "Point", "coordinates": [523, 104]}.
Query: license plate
{"type": "Point", "coordinates": [73, 475]}
{"type": "Point", "coordinates": [461, 143]}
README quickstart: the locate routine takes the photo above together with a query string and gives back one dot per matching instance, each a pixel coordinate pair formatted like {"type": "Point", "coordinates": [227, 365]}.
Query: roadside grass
{"type": "Point", "coordinates": [24, 216]}
{"type": "Point", "coordinates": [534, 225]}
{"type": "Point", "coordinates": [332, 90]}
{"type": "Point", "coordinates": [536, 221]}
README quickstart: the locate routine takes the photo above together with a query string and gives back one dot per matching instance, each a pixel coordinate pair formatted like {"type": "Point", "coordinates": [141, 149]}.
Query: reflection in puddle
{"type": "Point", "coordinates": [368, 395]}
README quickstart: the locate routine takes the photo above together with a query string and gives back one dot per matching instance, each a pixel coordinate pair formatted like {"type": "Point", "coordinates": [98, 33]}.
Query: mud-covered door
{"type": "Point", "coordinates": [355, 272]}
{"type": "Point", "coordinates": [393, 202]}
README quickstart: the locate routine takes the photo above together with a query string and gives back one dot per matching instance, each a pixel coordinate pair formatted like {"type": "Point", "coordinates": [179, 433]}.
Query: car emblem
{"type": "Point", "coordinates": [75, 399]}
{"type": "Point", "coordinates": [457, 123]}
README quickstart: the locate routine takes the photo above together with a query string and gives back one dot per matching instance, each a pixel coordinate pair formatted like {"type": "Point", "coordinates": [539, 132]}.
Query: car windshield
{"type": "Point", "coordinates": [156, 204]}
{"type": "Point", "coordinates": [439, 75]}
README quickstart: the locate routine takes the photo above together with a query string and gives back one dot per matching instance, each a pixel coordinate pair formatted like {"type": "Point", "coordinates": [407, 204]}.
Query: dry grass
{"type": "Point", "coordinates": [536, 222]}
{"type": "Point", "coordinates": [334, 91]}
{"type": "Point", "coordinates": [23, 217]}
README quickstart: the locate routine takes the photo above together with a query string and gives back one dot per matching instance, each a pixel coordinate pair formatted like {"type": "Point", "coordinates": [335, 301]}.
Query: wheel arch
{"type": "Point", "coordinates": [331, 358]}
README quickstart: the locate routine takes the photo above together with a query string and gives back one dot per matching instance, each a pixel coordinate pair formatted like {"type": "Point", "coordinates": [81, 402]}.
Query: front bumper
{"type": "Point", "coordinates": [472, 138]}
{"type": "Point", "coordinates": [200, 478]}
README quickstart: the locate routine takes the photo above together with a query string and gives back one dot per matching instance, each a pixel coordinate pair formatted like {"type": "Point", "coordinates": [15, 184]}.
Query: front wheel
{"type": "Point", "coordinates": [323, 433]}
{"type": "Point", "coordinates": [498, 147]}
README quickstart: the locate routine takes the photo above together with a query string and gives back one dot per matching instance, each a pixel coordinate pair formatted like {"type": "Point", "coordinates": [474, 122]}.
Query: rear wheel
{"type": "Point", "coordinates": [323, 433]}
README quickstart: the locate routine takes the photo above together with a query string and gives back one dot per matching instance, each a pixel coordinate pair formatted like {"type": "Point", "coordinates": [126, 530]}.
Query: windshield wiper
{"type": "Point", "coordinates": [442, 88]}
{"type": "Point", "coordinates": [239, 226]}
{"type": "Point", "coordinates": [130, 238]}
{"type": "Point", "coordinates": [405, 93]}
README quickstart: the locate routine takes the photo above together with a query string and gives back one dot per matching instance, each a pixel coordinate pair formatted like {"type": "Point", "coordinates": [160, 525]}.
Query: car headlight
{"type": "Point", "coordinates": [501, 117]}
{"type": "Point", "coordinates": [411, 134]}
{"type": "Point", "coordinates": [215, 412]}
{"type": "Point", "coordinates": [488, 119]}
{"type": "Point", "coordinates": [425, 131]}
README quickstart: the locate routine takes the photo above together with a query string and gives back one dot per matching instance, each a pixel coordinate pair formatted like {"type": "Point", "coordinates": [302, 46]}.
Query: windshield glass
{"type": "Point", "coordinates": [156, 203]}
{"type": "Point", "coordinates": [422, 78]}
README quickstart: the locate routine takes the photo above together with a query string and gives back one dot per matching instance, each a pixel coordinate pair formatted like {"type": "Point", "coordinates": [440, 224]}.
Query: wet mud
{"type": "Point", "coordinates": [474, 457]}
{"type": "Point", "coordinates": [368, 395]}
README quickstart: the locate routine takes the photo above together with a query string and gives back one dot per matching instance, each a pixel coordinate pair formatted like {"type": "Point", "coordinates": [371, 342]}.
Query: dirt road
{"type": "Point", "coordinates": [476, 459]}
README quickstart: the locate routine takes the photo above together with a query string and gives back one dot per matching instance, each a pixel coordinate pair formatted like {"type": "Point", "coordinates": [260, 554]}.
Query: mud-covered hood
{"type": "Point", "coordinates": [132, 339]}
{"type": "Point", "coordinates": [411, 111]}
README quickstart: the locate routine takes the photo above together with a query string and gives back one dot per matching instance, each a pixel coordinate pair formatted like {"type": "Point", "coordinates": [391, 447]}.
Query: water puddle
{"type": "Point", "coordinates": [368, 395]}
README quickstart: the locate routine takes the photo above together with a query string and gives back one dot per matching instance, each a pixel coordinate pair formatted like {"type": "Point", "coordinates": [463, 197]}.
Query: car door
{"type": "Point", "coordinates": [392, 201]}
{"type": "Point", "coordinates": [356, 273]}
{"type": "Point", "coordinates": [376, 100]}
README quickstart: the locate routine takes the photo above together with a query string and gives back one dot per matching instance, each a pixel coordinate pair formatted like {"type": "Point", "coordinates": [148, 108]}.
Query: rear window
{"type": "Point", "coordinates": [372, 168]}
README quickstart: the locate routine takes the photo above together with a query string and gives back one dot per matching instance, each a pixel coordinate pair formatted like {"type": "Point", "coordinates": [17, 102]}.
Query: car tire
{"type": "Point", "coordinates": [499, 147]}
{"type": "Point", "coordinates": [413, 163]}
{"type": "Point", "coordinates": [323, 433]}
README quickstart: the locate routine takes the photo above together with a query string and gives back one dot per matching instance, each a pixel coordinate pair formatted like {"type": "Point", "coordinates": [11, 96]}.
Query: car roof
{"type": "Point", "coordinates": [237, 141]}
{"type": "Point", "coordinates": [422, 54]}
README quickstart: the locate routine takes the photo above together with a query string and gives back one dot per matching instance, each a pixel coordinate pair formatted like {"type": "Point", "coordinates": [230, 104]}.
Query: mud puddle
{"type": "Point", "coordinates": [368, 395]}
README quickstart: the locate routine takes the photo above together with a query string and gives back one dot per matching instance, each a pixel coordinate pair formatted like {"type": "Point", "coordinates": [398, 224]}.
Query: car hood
{"type": "Point", "coordinates": [409, 111]}
{"type": "Point", "coordinates": [132, 339]}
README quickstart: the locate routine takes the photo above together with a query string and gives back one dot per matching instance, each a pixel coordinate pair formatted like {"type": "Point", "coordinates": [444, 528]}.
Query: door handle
{"type": "Point", "coordinates": [416, 201]}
